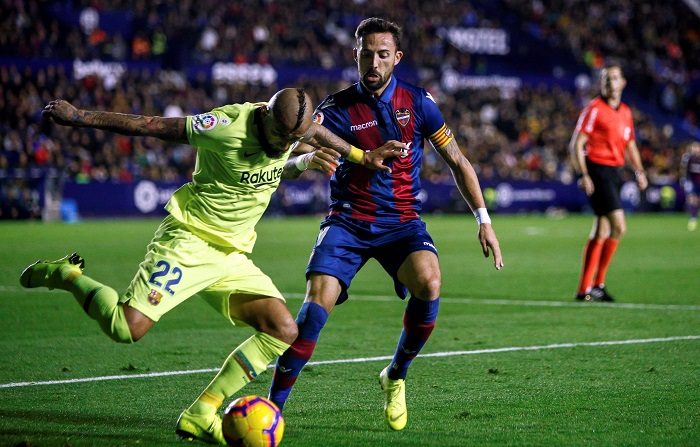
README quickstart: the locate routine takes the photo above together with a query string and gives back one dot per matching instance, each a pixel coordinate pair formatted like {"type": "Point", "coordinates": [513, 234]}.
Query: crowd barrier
{"type": "Point", "coordinates": [299, 197]}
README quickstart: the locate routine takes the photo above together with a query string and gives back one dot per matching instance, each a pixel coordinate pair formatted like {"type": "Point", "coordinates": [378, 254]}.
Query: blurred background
{"type": "Point", "coordinates": [510, 76]}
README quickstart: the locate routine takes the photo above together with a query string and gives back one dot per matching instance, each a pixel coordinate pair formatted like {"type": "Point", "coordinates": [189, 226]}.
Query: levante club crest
{"type": "Point", "coordinates": [403, 116]}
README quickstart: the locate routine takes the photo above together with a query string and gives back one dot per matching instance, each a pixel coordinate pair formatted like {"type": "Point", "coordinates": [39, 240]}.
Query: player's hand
{"type": "Point", "coordinates": [61, 112]}
{"type": "Point", "coordinates": [374, 159]}
{"type": "Point", "coordinates": [325, 159]}
{"type": "Point", "coordinates": [586, 184]}
{"type": "Point", "coordinates": [642, 181]}
{"type": "Point", "coordinates": [488, 241]}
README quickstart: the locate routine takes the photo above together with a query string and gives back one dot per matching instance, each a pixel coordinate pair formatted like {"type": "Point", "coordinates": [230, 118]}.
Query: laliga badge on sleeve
{"type": "Point", "coordinates": [204, 122]}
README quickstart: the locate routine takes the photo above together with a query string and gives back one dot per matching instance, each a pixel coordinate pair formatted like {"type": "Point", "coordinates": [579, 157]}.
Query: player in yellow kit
{"type": "Point", "coordinates": [201, 247]}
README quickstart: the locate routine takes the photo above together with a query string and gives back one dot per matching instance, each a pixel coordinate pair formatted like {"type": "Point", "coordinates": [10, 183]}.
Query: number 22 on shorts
{"type": "Point", "coordinates": [164, 273]}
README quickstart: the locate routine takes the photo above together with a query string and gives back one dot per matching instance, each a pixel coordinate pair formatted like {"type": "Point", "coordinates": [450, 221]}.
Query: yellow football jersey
{"type": "Point", "coordinates": [233, 178]}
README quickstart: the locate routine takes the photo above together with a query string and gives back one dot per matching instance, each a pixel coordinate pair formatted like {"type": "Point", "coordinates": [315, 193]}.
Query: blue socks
{"type": "Point", "coordinates": [418, 323]}
{"type": "Point", "coordinates": [311, 319]}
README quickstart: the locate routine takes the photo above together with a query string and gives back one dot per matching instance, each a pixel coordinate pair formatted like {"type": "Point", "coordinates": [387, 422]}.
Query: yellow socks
{"type": "Point", "coordinates": [244, 364]}
{"type": "Point", "coordinates": [101, 303]}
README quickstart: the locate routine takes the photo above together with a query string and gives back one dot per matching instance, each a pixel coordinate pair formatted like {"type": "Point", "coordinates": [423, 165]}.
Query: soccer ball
{"type": "Point", "coordinates": [252, 421]}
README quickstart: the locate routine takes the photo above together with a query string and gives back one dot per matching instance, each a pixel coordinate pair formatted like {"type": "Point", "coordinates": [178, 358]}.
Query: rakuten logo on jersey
{"type": "Point", "coordinates": [261, 177]}
{"type": "Point", "coordinates": [364, 126]}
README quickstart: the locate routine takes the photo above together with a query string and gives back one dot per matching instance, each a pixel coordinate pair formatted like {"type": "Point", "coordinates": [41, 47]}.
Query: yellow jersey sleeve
{"type": "Point", "coordinates": [233, 179]}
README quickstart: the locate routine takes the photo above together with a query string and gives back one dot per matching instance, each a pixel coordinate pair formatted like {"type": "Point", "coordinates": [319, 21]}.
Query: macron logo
{"type": "Point", "coordinates": [364, 126]}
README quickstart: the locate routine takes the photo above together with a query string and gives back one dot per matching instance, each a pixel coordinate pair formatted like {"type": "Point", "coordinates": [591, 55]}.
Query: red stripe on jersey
{"type": "Point", "coordinates": [403, 167]}
{"type": "Point", "coordinates": [368, 137]}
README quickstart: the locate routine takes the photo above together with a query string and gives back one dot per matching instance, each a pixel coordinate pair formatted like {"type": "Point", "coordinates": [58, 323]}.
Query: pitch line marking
{"type": "Point", "coordinates": [365, 360]}
{"type": "Point", "coordinates": [535, 303]}
{"type": "Point", "coordinates": [462, 300]}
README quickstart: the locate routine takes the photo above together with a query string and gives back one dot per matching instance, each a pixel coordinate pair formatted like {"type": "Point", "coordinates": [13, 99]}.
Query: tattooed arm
{"type": "Point", "coordinates": [318, 136]}
{"type": "Point", "coordinates": [305, 157]}
{"type": "Point", "coordinates": [169, 129]}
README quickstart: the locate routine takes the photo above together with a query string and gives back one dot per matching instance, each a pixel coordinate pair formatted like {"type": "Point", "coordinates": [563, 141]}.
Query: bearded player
{"type": "Point", "coordinates": [378, 216]}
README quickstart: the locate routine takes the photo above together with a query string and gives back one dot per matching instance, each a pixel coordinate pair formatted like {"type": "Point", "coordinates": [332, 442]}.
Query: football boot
{"type": "Point", "coordinates": [200, 427]}
{"type": "Point", "coordinates": [51, 274]}
{"type": "Point", "coordinates": [395, 410]}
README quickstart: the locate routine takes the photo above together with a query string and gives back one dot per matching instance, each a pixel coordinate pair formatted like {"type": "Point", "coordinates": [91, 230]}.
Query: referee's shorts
{"type": "Point", "coordinates": [607, 183]}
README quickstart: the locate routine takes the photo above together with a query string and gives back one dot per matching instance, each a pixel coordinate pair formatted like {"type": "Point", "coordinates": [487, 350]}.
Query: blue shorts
{"type": "Point", "coordinates": [343, 246]}
{"type": "Point", "coordinates": [691, 188]}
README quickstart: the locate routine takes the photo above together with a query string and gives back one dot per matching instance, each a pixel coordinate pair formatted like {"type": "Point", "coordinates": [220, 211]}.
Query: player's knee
{"type": "Point", "coordinates": [117, 328]}
{"type": "Point", "coordinates": [124, 338]}
{"type": "Point", "coordinates": [428, 288]}
{"type": "Point", "coordinates": [284, 329]}
{"type": "Point", "coordinates": [134, 336]}
{"type": "Point", "coordinates": [618, 231]}
{"type": "Point", "coordinates": [289, 332]}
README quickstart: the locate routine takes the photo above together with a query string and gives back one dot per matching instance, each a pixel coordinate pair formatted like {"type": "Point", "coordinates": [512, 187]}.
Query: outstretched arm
{"type": "Point", "coordinates": [318, 136]}
{"type": "Point", "coordinates": [169, 129]}
{"type": "Point", "coordinates": [306, 157]}
{"type": "Point", "coordinates": [468, 185]}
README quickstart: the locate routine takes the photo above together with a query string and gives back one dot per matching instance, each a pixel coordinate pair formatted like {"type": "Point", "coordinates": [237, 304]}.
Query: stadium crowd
{"type": "Point", "coordinates": [660, 41]}
{"type": "Point", "coordinates": [517, 134]}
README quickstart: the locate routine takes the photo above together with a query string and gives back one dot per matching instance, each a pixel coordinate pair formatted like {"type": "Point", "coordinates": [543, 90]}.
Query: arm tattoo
{"type": "Point", "coordinates": [170, 129]}
{"type": "Point", "coordinates": [464, 175]}
{"type": "Point", "coordinates": [77, 118]}
{"type": "Point", "coordinates": [324, 137]}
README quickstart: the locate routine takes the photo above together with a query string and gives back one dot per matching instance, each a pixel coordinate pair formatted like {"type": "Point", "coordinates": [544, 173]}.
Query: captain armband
{"type": "Point", "coordinates": [441, 137]}
{"type": "Point", "coordinates": [356, 155]}
{"type": "Point", "coordinates": [482, 216]}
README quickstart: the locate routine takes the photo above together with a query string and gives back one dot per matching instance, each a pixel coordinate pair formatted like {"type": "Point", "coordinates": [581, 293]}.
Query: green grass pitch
{"type": "Point", "coordinates": [513, 361]}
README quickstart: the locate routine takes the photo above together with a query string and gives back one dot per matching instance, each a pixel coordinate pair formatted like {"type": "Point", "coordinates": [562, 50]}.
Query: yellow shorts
{"type": "Point", "coordinates": [178, 265]}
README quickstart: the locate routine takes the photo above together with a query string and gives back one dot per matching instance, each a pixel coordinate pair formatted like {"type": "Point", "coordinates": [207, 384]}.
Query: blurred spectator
{"type": "Point", "coordinates": [521, 137]}
{"type": "Point", "coordinates": [660, 39]}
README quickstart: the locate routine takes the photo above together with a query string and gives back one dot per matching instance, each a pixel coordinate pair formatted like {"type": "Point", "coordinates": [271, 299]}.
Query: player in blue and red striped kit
{"type": "Point", "coordinates": [690, 172]}
{"type": "Point", "coordinates": [377, 215]}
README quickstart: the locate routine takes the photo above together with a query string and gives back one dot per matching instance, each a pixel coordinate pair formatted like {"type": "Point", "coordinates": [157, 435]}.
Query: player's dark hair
{"type": "Point", "coordinates": [614, 63]}
{"type": "Point", "coordinates": [376, 25]}
{"type": "Point", "coordinates": [302, 108]}
{"type": "Point", "coordinates": [288, 112]}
